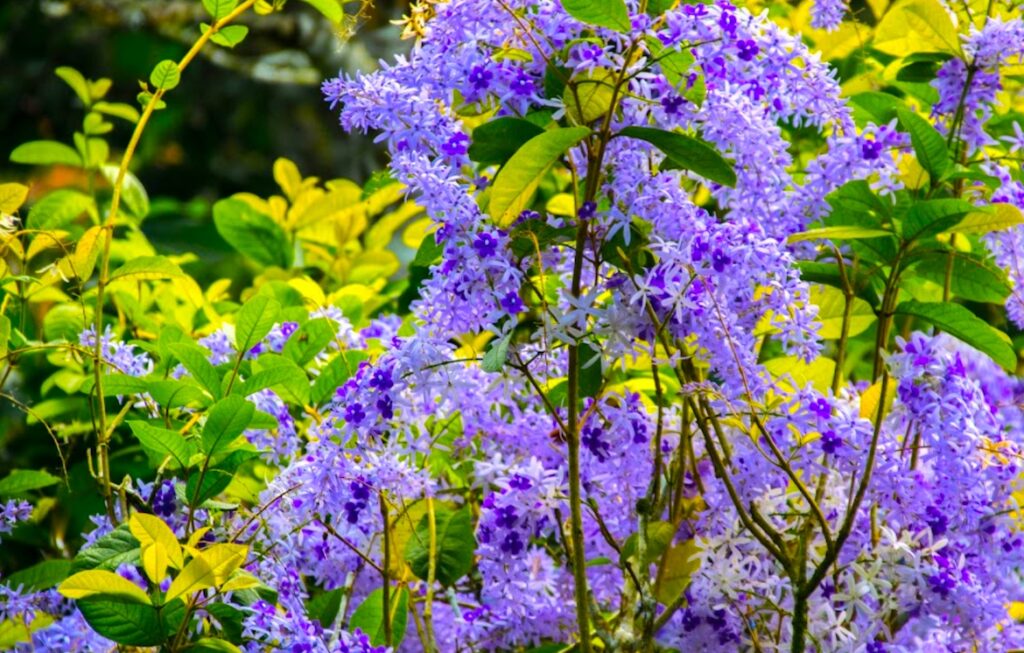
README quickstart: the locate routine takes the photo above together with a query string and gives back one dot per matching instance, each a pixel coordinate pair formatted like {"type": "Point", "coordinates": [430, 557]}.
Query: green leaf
{"type": "Point", "coordinates": [972, 278]}
{"type": "Point", "coordinates": [590, 96]}
{"type": "Point", "coordinates": [170, 393]}
{"type": "Point", "coordinates": [680, 563]}
{"type": "Point", "coordinates": [225, 422]}
{"type": "Point", "coordinates": [602, 13]}
{"type": "Point", "coordinates": [1003, 216]}
{"type": "Point", "coordinates": [832, 307]}
{"type": "Point", "coordinates": [219, 8]}
{"type": "Point", "coordinates": [329, 8]}
{"type": "Point", "coordinates": [929, 145]}
{"type": "Point", "coordinates": [59, 209]}
{"type": "Point", "coordinates": [324, 606]}
{"type": "Point", "coordinates": [122, 620]}
{"type": "Point", "coordinates": [428, 253]}
{"type": "Point", "coordinates": [133, 193]}
{"type": "Point", "coordinates": [40, 576]}
{"type": "Point", "coordinates": [118, 110]}
{"type": "Point", "coordinates": [874, 106]}
{"type": "Point", "coordinates": [147, 268]}
{"type": "Point", "coordinates": [165, 75]}
{"type": "Point", "coordinates": [193, 357]}
{"type": "Point", "coordinates": [309, 340]}
{"type": "Point", "coordinates": [252, 233]}
{"type": "Point", "coordinates": [163, 442]}
{"type": "Point", "coordinates": [494, 358]}
{"type": "Point", "coordinates": [518, 180]}
{"type": "Point", "coordinates": [455, 546]}
{"type": "Point", "coordinates": [77, 82]}
{"type": "Point", "coordinates": [369, 616]}
{"type": "Point", "coordinates": [656, 8]}
{"type": "Point", "coordinates": [659, 537]}
{"type": "Point", "coordinates": [254, 321]}
{"type": "Point", "coordinates": [213, 482]}
{"type": "Point", "coordinates": [211, 645]}
{"type": "Point", "coordinates": [591, 374]}
{"type": "Point", "coordinates": [837, 233]}
{"type": "Point", "coordinates": [229, 36]}
{"type": "Point", "coordinates": [280, 373]}
{"type": "Point", "coordinates": [339, 370]}
{"type": "Point", "coordinates": [109, 552]}
{"type": "Point", "coordinates": [63, 322]}
{"type": "Point", "coordinates": [931, 217]}
{"type": "Point", "coordinates": [496, 141]}
{"type": "Point", "coordinates": [21, 481]}
{"type": "Point", "coordinates": [964, 325]}
{"type": "Point", "coordinates": [686, 153]}
{"type": "Point", "coordinates": [44, 153]}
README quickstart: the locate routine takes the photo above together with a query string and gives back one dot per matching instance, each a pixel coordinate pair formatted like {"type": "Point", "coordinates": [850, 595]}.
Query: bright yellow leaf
{"type": "Point", "coordinates": [97, 581]}
{"type": "Point", "coordinates": [151, 530]}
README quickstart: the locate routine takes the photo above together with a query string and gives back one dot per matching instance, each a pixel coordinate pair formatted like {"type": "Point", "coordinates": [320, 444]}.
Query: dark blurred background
{"type": "Point", "coordinates": [234, 113]}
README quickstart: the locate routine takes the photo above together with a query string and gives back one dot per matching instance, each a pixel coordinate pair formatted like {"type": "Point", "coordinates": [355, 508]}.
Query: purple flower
{"type": "Point", "coordinates": [485, 244]}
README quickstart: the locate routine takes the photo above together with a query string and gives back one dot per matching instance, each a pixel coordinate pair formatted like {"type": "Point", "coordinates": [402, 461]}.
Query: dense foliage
{"type": "Point", "coordinates": [670, 327]}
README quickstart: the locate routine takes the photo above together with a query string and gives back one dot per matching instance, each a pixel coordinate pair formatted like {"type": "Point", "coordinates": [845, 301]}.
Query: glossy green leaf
{"type": "Point", "coordinates": [147, 268]}
{"type": "Point", "coordinates": [282, 374]}
{"type": "Point", "coordinates": [339, 370]}
{"type": "Point", "coordinates": [228, 36]}
{"type": "Point", "coordinates": [44, 153]}
{"type": "Point", "coordinates": [77, 82]}
{"type": "Point", "coordinates": [163, 442]}
{"type": "Point", "coordinates": [59, 209]}
{"type": "Point", "coordinates": [309, 340]}
{"type": "Point", "coordinates": [122, 620]}
{"type": "Point", "coordinates": [929, 144]}
{"type": "Point", "coordinates": [165, 75]}
{"type": "Point", "coordinates": [931, 217]}
{"type": "Point", "coordinates": [972, 278]}
{"type": "Point", "coordinates": [612, 14]}
{"type": "Point", "coordinates": [193, 357]}
{"type": "Point", "coordinates": [455, 545]}
{"type": "Point", "coordinates": [329, 8]}
{"type": "Point", "coordinates": [494, 359]}
{"type": "Point", "coordinates": [254, 321]}
{"type": "Point", "coordinates": [496, 141]}
{"type": "Point", "coordinates": [518, 180]}
{"type": "Point", "coordinates": [115, 548]}
{"type": "Point", "coordinates": [219, 8]}
{"type": "Point", "coordinates": [369, 616]}
{"type": "Point", "coordinates": [227, 419]}
{"type": "Point", "coordinates": [252, 233]}
{"type": "Point", "coordinates": [40, 576]}
{"type": "Point", "coordinates": [686, 153]}
{"type": "Point", "coordinates": [21, 481]}
{"type": "Point", "coordinates": [964, 325]}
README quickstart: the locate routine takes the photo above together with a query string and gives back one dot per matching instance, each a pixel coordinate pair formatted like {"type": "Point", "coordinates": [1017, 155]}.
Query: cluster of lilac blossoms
{"type": "Point", "coordinates": [931, 557]}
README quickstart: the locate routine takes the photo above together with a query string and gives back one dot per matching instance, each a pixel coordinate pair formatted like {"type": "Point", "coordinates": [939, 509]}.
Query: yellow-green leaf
{"type": "Point", "coordinates": [12, 196]}
{"type": "Point", "coordinates": [150, 530]}
{"type": "Point", "coordinates": [518, 180]}
{"type": "Point", "coordinates": [917, 26]}
{"type": "Point", "coordinates": [831, 307]}
{"type": "Point", "coordinates": [196, 576]}
{"type": "Point", "coordinates": [97, 581]}
{"type": "Point", "coordinates": [1003, 217]}
{"type": "Point", "coordinates": [224, 559]}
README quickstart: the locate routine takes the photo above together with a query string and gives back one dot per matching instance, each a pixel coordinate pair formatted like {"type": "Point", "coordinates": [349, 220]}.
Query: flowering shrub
{"type": "Point", "coordinates": [699, 344]}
